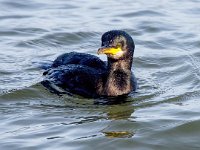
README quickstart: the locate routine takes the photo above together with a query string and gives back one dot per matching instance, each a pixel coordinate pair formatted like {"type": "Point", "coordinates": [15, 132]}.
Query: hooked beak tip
{"type": "Point", "coordinates": [100, 51]}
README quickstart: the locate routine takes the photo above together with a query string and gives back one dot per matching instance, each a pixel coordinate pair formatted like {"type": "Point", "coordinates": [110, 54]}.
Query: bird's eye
{"type": "Point", "coordinates": [119, 45]}
{"type": "Point", "coordinates": [122, 43]}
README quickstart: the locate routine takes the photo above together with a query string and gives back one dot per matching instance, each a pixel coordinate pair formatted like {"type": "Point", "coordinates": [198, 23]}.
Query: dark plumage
{"type": "Point", "coordinates": [79, 59]}
{"type": "Point", "coordinates": [88, 76]}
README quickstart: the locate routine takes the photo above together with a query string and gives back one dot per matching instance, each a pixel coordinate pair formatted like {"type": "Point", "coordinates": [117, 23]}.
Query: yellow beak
{"type": "Point", "coordinates": [109, 50]}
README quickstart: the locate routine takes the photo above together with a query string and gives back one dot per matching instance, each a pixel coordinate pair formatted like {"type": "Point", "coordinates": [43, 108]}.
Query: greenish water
{"type": "Point", "coordinates": [164, 112]}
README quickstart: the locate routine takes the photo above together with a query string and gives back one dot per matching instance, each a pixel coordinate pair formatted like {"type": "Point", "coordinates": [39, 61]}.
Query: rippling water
{"type": "Point", "coordinates": [164, 113]}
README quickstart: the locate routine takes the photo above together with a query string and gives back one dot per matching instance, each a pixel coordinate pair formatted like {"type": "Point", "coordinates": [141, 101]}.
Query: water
{"type": "Point", "coordinates": [164, 113]}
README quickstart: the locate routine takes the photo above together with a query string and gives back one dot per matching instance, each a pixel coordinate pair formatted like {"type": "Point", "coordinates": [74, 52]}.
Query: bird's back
{"type": "Point", "coordinates": [76, 73]}
{"type": "Point", "coordinates": [79, 59]}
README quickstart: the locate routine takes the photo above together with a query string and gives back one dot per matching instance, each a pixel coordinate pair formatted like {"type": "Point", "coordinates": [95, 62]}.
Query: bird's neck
{"type": "Point", "coordinates": [119, 78]}
{"type": "Point", "coordinates": [122, 64]}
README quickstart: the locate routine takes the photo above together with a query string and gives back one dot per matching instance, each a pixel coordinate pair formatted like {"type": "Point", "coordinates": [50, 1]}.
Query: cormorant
{"type": "Point", "coordinates": [89, 76]}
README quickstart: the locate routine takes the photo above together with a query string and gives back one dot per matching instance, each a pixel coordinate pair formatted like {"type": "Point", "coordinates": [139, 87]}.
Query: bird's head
{"type": "Point", "coordinates": [117, 44]}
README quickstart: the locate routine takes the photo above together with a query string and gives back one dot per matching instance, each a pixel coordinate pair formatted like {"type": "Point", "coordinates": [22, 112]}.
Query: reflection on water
{"type": "Point", "coordinates": [122, 111]}
{"type": "Point", "coordinates": [115, 113]}
{"type": "Point", "coordinates": [118, 134]}
{"type": "Point", "coordinates": [163, 114]}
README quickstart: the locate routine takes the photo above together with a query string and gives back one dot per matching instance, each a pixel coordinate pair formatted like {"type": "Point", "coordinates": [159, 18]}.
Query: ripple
{"type": "Point", "coordinates": [154, 45]}
{"type": "Point", "coordinates": [155, 26]}
{"type": "Point", "coordinates": [13, 33]}
{"type": "Point", "coordinates": [194, 11]}
{"type": "Point", "coordinates": [165, 107]}
{"type": "Point", "coordinates": [14, 17]}
{"type": "Point", "coordinates": [142, 13]}
{"type": "Point", "coordinates": [59, 39]}
{"type": "Point", "coordinates": [21, 5]}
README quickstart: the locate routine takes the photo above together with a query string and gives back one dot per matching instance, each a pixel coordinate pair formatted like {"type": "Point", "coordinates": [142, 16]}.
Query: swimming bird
{"type": "Point", "coordinates": [89, 76]}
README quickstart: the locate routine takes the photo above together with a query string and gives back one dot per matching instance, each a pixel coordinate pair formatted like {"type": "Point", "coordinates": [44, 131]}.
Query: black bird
{"type": "Point", "coordinates": [89, 76]}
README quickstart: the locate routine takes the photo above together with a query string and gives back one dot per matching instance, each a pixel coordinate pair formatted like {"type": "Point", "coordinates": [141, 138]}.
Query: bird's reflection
{"type": "Point", "coordinates": [118, 134]}
{"type": "Point", "coordinates": [119, 111]}
{"type": "Point", "coordinates": [111, 100]}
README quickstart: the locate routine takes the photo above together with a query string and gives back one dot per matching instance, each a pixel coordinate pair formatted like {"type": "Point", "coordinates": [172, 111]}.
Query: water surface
{"type": "Point", "coordinates": [164, 112]}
